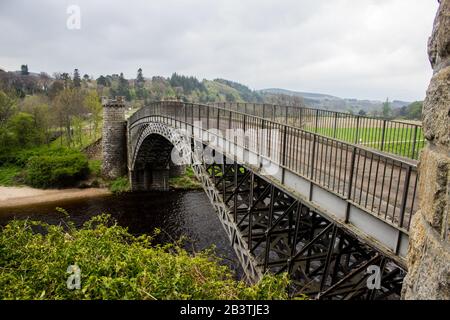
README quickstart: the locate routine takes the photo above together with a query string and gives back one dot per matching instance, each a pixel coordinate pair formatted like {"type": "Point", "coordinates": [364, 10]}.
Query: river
{"type": "Point", "coordinates": [175, 213]}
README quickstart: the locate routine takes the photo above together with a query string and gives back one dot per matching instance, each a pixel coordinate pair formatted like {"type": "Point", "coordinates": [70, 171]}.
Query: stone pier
{"type": "Point", "coordinates": [429, 246]}
{"type": "Point", "coordinates": [150, 179]}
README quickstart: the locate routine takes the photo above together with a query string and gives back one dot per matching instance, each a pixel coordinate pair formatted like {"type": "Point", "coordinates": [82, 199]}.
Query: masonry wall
{"type": "Point", "coordinates": [114, 139]}
{"type": "Point", "coordinates": [429, 252]}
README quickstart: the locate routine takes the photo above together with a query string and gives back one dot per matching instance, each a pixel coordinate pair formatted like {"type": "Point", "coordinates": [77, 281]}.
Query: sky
{"type": "Point", "coordinates": [365, 49]}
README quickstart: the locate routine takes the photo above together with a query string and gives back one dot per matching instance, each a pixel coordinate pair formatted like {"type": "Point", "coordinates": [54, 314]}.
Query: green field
{"type": "Point", "coordinates": [398, 141]}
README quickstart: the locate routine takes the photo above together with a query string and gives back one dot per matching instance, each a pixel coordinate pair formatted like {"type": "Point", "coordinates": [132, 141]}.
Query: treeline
{"type": "Point", "coordinates": [186, 88]}
{"type": "Point", "coordinates": [37, 109]}
{"type": "Point", "coordinates": [412, 111]}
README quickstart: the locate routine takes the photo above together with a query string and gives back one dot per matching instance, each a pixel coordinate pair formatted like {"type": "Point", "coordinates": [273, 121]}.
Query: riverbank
{"type": "Point", "coordinates": [25, 196]}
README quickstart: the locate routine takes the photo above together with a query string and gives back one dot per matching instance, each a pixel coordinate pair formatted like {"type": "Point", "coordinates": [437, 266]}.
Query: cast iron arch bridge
{"type": "Point", "coordinates": [290, 200]}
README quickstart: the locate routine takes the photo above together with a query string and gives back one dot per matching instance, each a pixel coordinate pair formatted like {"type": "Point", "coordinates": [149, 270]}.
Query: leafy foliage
{"type": "Point", "coordinates": [9, 175]}
{"type": "Point", "coordinates": [244, 92]}
{"type": "Point", "coordinates": [187, 181]}
{"type": "Point", "coordinates": [188, 84]}
{"type": "Point", "coordinates": [412, 111]}
{"type": "Point", "coordinates": [56, 171]}
{"type": "Point", "coordinates": [119, 185]}
{"type": "Point", "coordinates": [114, 265]}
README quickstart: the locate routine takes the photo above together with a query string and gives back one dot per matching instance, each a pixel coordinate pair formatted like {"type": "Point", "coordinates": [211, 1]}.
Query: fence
{"type": "Point", "coordinates": [395, 137]}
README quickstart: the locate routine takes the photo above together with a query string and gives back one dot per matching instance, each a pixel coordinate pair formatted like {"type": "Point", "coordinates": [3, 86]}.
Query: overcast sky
{"type": "Point", "coordinates": [349, 48]}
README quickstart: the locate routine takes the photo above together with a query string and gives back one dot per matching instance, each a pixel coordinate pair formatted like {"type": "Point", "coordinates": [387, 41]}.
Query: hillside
{"type": "Point", "coordinates": [325, 101]}
{"type": "Point", "coordinates": [142, 90]}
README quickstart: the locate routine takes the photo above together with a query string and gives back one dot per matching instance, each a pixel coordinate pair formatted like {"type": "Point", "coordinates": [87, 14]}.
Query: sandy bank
{"type": "Point", "coordinates": [21, 196]}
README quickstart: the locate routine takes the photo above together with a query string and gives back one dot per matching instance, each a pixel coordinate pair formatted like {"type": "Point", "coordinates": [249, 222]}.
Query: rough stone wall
{"type": "Point", "coordinates": [94, 150]}
{"type": "Point", "coordinates": [114, 146]}
{"type": "Point", "coordinates": [176, 171]}
{"type": "Point", "coordinates": [429, 252]}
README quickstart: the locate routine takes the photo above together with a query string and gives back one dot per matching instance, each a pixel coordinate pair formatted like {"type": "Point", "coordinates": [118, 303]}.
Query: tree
{"type": "Point", "coordinates": [414, 110]}
{"type": "Point", "coordinates": [7, 107]}
{"type": "Point", "coordinates": [94, 106]}
{"type": "Point", "coordinates": [44, 81]}
{"type": "Point", "coordinates": [68, 104]}
{"type": "Point", "coordinates": [103, 81]}
{"type": "Point", "coordinates": [65, 78]}
{"type": "Point", "coordinates": [55, 88]}
{"type": "Point", "coordinates": [23, 129]}
{"type": "Point", "coordinates": [24, 70]}
{"type": "Point", "coordinates": [39, 108]}
{"type": "Point", "coordinates": [76, 79]}
{"type": "Point", "coordinates": [140, 78]}
{"type": "Point", "coordinates": [140, 82]}
{"type": "Point", "coordinates": [387, 109]}
{"type": "Point", "coordinates": [123, 88]}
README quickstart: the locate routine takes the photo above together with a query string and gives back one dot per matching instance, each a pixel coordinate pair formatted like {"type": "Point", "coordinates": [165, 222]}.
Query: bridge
{"type": "Point", "coordinates": [290, 199]}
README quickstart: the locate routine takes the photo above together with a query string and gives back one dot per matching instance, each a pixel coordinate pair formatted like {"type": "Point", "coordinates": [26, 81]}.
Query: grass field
{"type": "Point", "coordinates": [398, 141]}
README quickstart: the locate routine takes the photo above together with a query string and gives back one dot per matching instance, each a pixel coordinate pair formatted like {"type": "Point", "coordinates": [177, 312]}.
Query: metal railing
{"type": "Point", "coordinates": [395, 137]}
{"type": "Point", "coordinates": [378, 183]}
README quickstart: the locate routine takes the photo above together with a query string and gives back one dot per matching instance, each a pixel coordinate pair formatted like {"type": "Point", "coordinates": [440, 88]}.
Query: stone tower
{"type": "Point", "coordinates": [429, 252]}
{"type": "Point", "coordinates": [114, 146]}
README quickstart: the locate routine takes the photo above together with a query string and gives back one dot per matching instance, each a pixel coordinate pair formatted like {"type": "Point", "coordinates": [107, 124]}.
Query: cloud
{"type": "Point", "coordinates": [362, 49]}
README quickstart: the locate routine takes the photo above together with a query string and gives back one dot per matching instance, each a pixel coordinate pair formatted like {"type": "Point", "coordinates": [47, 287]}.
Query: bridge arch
{"type": "Point", "coordinates": [151, 163]}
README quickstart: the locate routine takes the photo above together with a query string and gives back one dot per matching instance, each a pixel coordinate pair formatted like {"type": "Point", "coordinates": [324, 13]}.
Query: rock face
{"type": "Point", "coordinates": [114, 138]}
{"type": "Point", "coordinates": [429, 252]}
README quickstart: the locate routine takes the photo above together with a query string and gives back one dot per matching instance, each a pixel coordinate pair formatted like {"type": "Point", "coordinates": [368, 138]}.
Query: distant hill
{"type": "Point", "coordinates": [190, 88]}
{"type": "Point", "coordinates": [305, 95]}
{"type": "Point", "coordinates": [325, 101]}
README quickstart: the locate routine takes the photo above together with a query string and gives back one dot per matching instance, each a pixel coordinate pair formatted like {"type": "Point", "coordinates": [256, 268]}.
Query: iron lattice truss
{"type": "Point", "coordinates": [275, 232]}
{"type": "Point", "coordinates": [272, 231]}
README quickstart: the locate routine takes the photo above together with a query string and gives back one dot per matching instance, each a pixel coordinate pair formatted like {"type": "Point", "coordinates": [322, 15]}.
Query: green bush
{"type": "Point", "coordinates": [95, 167]}
{"type": "Point", "coordinates": [20, 157]}
{"type": "Point", "coordinates": [10, 175]}
{"type": "Point", "coordinates": [119, 185]}
{"type": "Point", "coordinates": [114, 265]}
{"type": "Point", "coordinates": [56, 171]}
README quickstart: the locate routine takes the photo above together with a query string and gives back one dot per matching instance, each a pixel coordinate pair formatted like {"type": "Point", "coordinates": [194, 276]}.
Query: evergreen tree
{"type": "Point", "coordinates": [387, 109]}
{"type": "Point", "coordinates": [24, 70]}
{"type": "Point", "coordinates": [76, 79]}
{"type": "Point", "coordinates": [65, 77]}
{"type": "Point", "coordinates": [103, 81]}
{"type": "Point", "coordinates": [123, 87]}
{"type": "Point", "coordinates": [140, 78]}
{"type": "Point", "coordinates": [140, 82]}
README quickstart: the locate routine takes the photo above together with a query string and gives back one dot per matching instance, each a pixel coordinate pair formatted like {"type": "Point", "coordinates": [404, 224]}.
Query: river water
{"type": "Point", "coordinates": [176, 213]}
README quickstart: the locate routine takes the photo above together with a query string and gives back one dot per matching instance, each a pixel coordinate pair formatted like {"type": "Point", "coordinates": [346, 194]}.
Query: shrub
{"type": "Point", "coordinates": [119, 185]}
{"type": "Point", "coordinates": [56, 171]}
{"type": "Point", "coordinates": [114, 265]}
{"type": "Point", "coordinates": [9, 175]}
{"type": "Point", "coordinates": [20, 157]}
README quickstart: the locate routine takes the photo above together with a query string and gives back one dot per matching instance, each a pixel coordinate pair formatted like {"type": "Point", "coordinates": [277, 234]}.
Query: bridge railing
{"type": "Point", "coordinates": [396, 137]}
{"type": "Point", "coordinates": [378, 183]}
